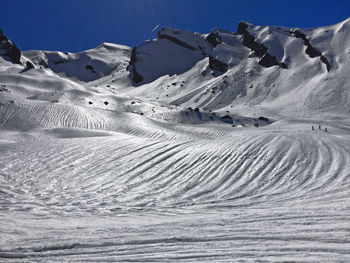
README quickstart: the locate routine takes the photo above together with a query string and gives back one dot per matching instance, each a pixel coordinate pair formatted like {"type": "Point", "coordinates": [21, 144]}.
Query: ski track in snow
{"type": "Point", "coordinates": [275, 195]}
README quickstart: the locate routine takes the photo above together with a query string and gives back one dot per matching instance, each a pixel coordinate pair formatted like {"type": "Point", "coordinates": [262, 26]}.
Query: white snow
{"type": "Point", "coordinates": [96, 169]}
{"type": "Point", "coordinates": [103, 60]}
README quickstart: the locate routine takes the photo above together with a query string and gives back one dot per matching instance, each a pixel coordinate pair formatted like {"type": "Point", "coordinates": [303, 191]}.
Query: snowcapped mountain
{"type": "Point", "coordinates": [258, 70]}
{"type": "Point", "coordinates": [85, 66]}
{"type": "Point", "coordinates": [186, 147]}
{"type": "Point", "coordinates": [285, 69]}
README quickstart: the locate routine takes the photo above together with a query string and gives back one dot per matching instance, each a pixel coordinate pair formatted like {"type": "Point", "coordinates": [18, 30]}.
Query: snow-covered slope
{"type": "Point", "coordinates": [85, 66]}
{"type": "Point", "coordinates": [266, 69]}
{"type": "Point", "coordinates": [188, 147]}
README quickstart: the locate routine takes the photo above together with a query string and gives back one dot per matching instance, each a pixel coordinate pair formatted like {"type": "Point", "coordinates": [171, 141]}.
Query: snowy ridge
{"type": "Point", "coordinates": [84, 66]}
{"type": "Point", "coordinates": [189, 147]}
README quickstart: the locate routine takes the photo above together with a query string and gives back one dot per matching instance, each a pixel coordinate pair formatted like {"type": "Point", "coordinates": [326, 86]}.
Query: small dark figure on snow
{"type": "Point", "coordinates": [325, 129]}
{"type": "Point", "coordinates": [319, 127]}
{"type": "Point", "coordinates": [313, 127]}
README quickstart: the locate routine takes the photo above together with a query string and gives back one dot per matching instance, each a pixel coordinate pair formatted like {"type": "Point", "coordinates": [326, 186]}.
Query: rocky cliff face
{"type": "Point", "coordinates": [266, 59]}
{"type": "Point", "coordinates": [8, 50]}
{"type": "Point", "coordinates": [310, 50]}
{"type": "Point", "coordinates": [134, 75]}
{"type": "Point", "coordinates": [176, 51]}
{"type": "Point", "coordinates": [286, 70]}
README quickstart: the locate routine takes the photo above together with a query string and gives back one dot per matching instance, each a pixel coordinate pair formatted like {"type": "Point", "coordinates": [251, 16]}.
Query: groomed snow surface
{"type": "Point", "coordinates": [95, 169]}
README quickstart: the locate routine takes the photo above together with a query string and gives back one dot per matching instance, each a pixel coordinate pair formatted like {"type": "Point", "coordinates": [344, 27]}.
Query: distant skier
{"type": "Point", "coordinates": [325, 129]}
{"type": "Point", "coordinates": [313, 128]}
{"type": "Point", "coordinates": [319, 127]}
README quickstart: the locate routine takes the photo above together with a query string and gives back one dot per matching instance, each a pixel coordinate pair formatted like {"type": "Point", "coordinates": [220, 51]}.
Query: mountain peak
{"type": "Point", "coordinates": [8, 50]}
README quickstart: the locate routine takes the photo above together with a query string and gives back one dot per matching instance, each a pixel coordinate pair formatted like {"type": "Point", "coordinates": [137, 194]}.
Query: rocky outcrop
{"type": "Point", "coordinates": [213, 39]}
{"type": "Point", "coordinates": [29, 65]}
{"type": "Point", "coordinates": [134, 75]}
{"type": "Point", "coordinates": [8, 50]}
{"type": "Point", "coordinates": [310, 50]}
{"type": "Point", "coordinates": [325, 61]}
{"type": "Point", "coordinates": [266, 59]}
{"type": "Point", "coordinates": [176, 41]}
{"type": "Point", "coordinates": [91, 68]}
{"type": "Point", "coordinates": [215, 64]}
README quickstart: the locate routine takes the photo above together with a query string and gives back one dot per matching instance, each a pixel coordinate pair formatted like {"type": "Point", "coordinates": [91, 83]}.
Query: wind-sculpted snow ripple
{"type": "Point", "coordinates": [26, 117]}
{"type": "Point", "coordinates": [141, 172]}
{"type": "Point", "coordinates": [281, 196]}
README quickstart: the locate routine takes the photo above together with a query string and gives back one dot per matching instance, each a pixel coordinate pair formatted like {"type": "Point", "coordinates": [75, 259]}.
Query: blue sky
{"type": "Point", "coordinates": [75, 25]}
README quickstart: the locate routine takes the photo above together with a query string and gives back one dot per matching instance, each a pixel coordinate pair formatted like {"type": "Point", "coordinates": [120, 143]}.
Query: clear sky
{"type": "Point", "coordinates": [75, 25]}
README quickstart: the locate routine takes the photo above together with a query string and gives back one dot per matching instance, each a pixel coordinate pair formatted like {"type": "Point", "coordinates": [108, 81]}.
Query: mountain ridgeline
{"type": "Point", "coordinates": [210, 45]}
{"type": "Point", "coordinates": [264, 68]}
{"type": "Point", "coordinates": [218, 147]}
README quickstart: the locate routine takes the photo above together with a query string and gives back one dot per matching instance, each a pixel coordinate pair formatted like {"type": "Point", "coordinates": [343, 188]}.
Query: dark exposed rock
{"type": "Point", "coordinates": [2, 36]}
{"type": "Point", "coordinates": [89, 67]}
{"type": "Point", "coordinates": [176, 41]}
{"type": "Point", "coordinates": [135, 76]}
{"type": "Point", "coordinates": [213, 39]}
{"type": "Point", "coordinates": [242, 28]}
{"type": "Point", "coordinates": [266, 59]}
{"type": "Point", "coordinates": [4, 89]}
{"type": "Point", "coordinates": [249, 41]}
{"type": "Point", "coordinates": [29, 65]}
{"type": "Point", "coordinates": [215, 64]}
{"type": "Point", "coordinates": [283, 65]}
{"type": "Point", "coordinates": [263, 118]}
{"type": "Point", "coordinates": [9, 50]}
{"type": "Point", "coordinates": [105, 103]}
{"type": "Point", "coordinates": [310, 50]}
{"type": "Point", "coordinates": [59, 62]}
{"type": "Point", "coordinates": [326, 62]}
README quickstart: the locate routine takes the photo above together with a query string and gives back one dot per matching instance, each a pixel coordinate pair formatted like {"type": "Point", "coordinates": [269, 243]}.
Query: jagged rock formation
{"type": "Point", "coordinates": [266, 59]}
{"type": "Point", "coordinates": [8, 50]}
{"type": "Point", "coordinates": [175, 40]}
{"type": "Point", "coordinates": [215, 64]}
{"type": "Point", "coordinates": [213, 39]}
{"type": "Point", "coordinates": [173, 52]}
{"type": "Point", "coordinates": [310, 50]}
{"type": "Point", "coordinates": [29, 65]}
{"type": "Point", "coordinates": [135, 76]}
